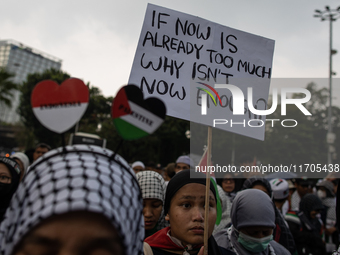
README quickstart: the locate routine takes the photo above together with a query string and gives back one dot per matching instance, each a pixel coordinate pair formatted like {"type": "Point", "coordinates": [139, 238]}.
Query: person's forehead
{"type": "Point", "coordinates": [192, 190]}
{"type": "Point", "coordinates": [4, 168]}
{"type": "Point", "coordinates": [152, 200]}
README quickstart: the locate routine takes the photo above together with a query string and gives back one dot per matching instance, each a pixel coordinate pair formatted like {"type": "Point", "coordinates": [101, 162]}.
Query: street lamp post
{"type": "Point", "coordinates": [331, 15]}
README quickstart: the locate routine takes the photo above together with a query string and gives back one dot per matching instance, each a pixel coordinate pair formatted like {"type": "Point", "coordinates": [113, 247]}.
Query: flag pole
{"type": "Point", "coordinates": [207, 191]}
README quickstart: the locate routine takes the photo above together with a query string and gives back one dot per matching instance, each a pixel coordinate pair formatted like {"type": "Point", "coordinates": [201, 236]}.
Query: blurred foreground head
{"type": "Point", "coordinates": [79, 199]}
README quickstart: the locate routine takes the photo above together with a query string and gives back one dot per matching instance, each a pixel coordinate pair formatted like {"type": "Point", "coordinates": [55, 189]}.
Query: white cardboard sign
{"type": "Point", "coordinates": [179, 54]}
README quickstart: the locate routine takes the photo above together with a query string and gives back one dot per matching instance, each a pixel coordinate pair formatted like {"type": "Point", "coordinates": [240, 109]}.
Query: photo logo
{"type": "Point", "coordinates": [238, 100]}
{"type": "Point", "coordinates": [204, 97]}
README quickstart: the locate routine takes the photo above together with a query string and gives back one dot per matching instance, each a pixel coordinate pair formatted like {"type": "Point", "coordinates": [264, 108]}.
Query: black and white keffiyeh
{"type": "Point", "coordinates": [153, 186]}
{"type": "Point", "coordinates": [74, 178]}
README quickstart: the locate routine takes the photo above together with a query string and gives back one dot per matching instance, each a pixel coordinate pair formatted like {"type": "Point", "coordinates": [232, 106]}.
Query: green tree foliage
{"type": "Point", "coordinates": [164, 146]}
{"type": "Point", "coordinates": [7, 87]}
{"type": "Point", "coordinates": [305, 143]}
{"type": "Point", "coordinates": [292, 145]}
{"type": "Point", "coordinates": [97, 112]}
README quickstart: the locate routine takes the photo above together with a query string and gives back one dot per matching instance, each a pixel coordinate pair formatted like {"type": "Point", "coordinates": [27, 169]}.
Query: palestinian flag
{"type": "Point", "coordinates": [135, 117]}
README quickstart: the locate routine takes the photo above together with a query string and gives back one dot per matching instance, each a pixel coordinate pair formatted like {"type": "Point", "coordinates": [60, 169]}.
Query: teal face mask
{"type": "Point", "coordinates": [254, 244]}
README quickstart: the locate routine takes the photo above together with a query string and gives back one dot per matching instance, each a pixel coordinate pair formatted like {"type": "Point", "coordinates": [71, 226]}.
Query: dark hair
{"type": "Point", "coordinates": [170, 170]}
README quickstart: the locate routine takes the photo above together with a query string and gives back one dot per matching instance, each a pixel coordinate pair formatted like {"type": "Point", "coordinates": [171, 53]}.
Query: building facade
{"type": "Point", "coordinates": [22, 60]}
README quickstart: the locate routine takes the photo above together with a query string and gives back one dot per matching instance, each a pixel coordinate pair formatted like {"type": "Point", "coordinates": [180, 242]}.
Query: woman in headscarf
{"type": "Point", "coordinates": [76, 200]}
{"type": "Point", "coordinates": [153, 188]}
{"type": "Point", "coordinates": [306, 226]}
{"type": "Point", "coordinates": [9, 181]}
{"type": "Point", "coordinates": [184, 209]}
{"type": "Point", "coordinates": [228, 184]}
{"type": "Point", "coordinates": [253, 221]}
{"type": "Point", "coordinates": [281, 233]}
{"type": "Point", "coordinates": [23, 161]}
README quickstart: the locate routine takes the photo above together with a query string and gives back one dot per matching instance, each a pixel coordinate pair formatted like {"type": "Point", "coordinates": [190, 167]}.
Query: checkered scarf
{"type": "Point", "coordinates": [153, 186]}
{"type": "Point", "coordinates": [73, 178]}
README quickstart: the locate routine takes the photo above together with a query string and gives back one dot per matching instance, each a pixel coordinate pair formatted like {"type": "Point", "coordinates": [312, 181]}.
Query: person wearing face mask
{"type": "Point", "coordinates": [281, 233]}
{"type": "Point", "coordinates": [9, 181]}
{"type": "Point", "coordinates": [253, 221]}
{"type": "Point", "coordinates": [325, 191]}
{"type": "Point", "coordinates": [23, 162]}
{"type": "Point", "coordinates": [307, 227]}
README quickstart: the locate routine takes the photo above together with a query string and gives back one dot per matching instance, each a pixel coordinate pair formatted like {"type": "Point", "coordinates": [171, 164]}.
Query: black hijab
{"type": "Point", "coordinates": [8, 189]}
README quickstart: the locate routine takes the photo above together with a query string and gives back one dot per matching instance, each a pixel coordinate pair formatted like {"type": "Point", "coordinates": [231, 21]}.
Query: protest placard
{"type": "Point", "coordinates": [180, 57]}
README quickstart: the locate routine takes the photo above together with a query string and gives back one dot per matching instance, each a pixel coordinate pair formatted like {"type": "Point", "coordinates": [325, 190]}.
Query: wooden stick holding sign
{"type": "Point", "coordinates": [207, 191]}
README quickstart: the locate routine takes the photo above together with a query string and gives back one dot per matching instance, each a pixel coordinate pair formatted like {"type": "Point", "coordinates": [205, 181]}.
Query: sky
{"type": "Point", "coordinates": [97, 40]}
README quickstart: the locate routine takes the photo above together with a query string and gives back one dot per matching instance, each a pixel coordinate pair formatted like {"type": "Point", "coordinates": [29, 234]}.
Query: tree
{"type": "Point", "coordinates": [7, 87]}
{"type": "Point", "coordinates": [304, 143]}
{"type": "Point", "coordinates": [163, 146]}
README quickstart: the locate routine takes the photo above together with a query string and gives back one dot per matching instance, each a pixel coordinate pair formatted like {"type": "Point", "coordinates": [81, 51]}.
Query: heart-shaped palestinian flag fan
{"type": "Point", "coordinates": [135, 117]}
{"type": "Point", "coordinates": [59, 107]}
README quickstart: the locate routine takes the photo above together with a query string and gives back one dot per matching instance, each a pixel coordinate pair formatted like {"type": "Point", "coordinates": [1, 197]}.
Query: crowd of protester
{"type": "Point", "coordinates": [84, 199]}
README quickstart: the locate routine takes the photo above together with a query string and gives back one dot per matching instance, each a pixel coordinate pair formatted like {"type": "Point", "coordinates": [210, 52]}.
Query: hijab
{"type": "Point", "coordinates": [251, 207]}
{"type": "Point", "coordinates": [282, 232]}
{"type": "Point", "coordinates": [179, 180]}
{"type": "Point", "coordinates": [8, 189]}
{"type": "Point", "coordinates": [153, 186]}
{"type": "Point", "coordinates": [23, 158]}
{"type": "Point", "coordinates": [308, 203]}
{"type": "Point", "coordinates": [77, 178]}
